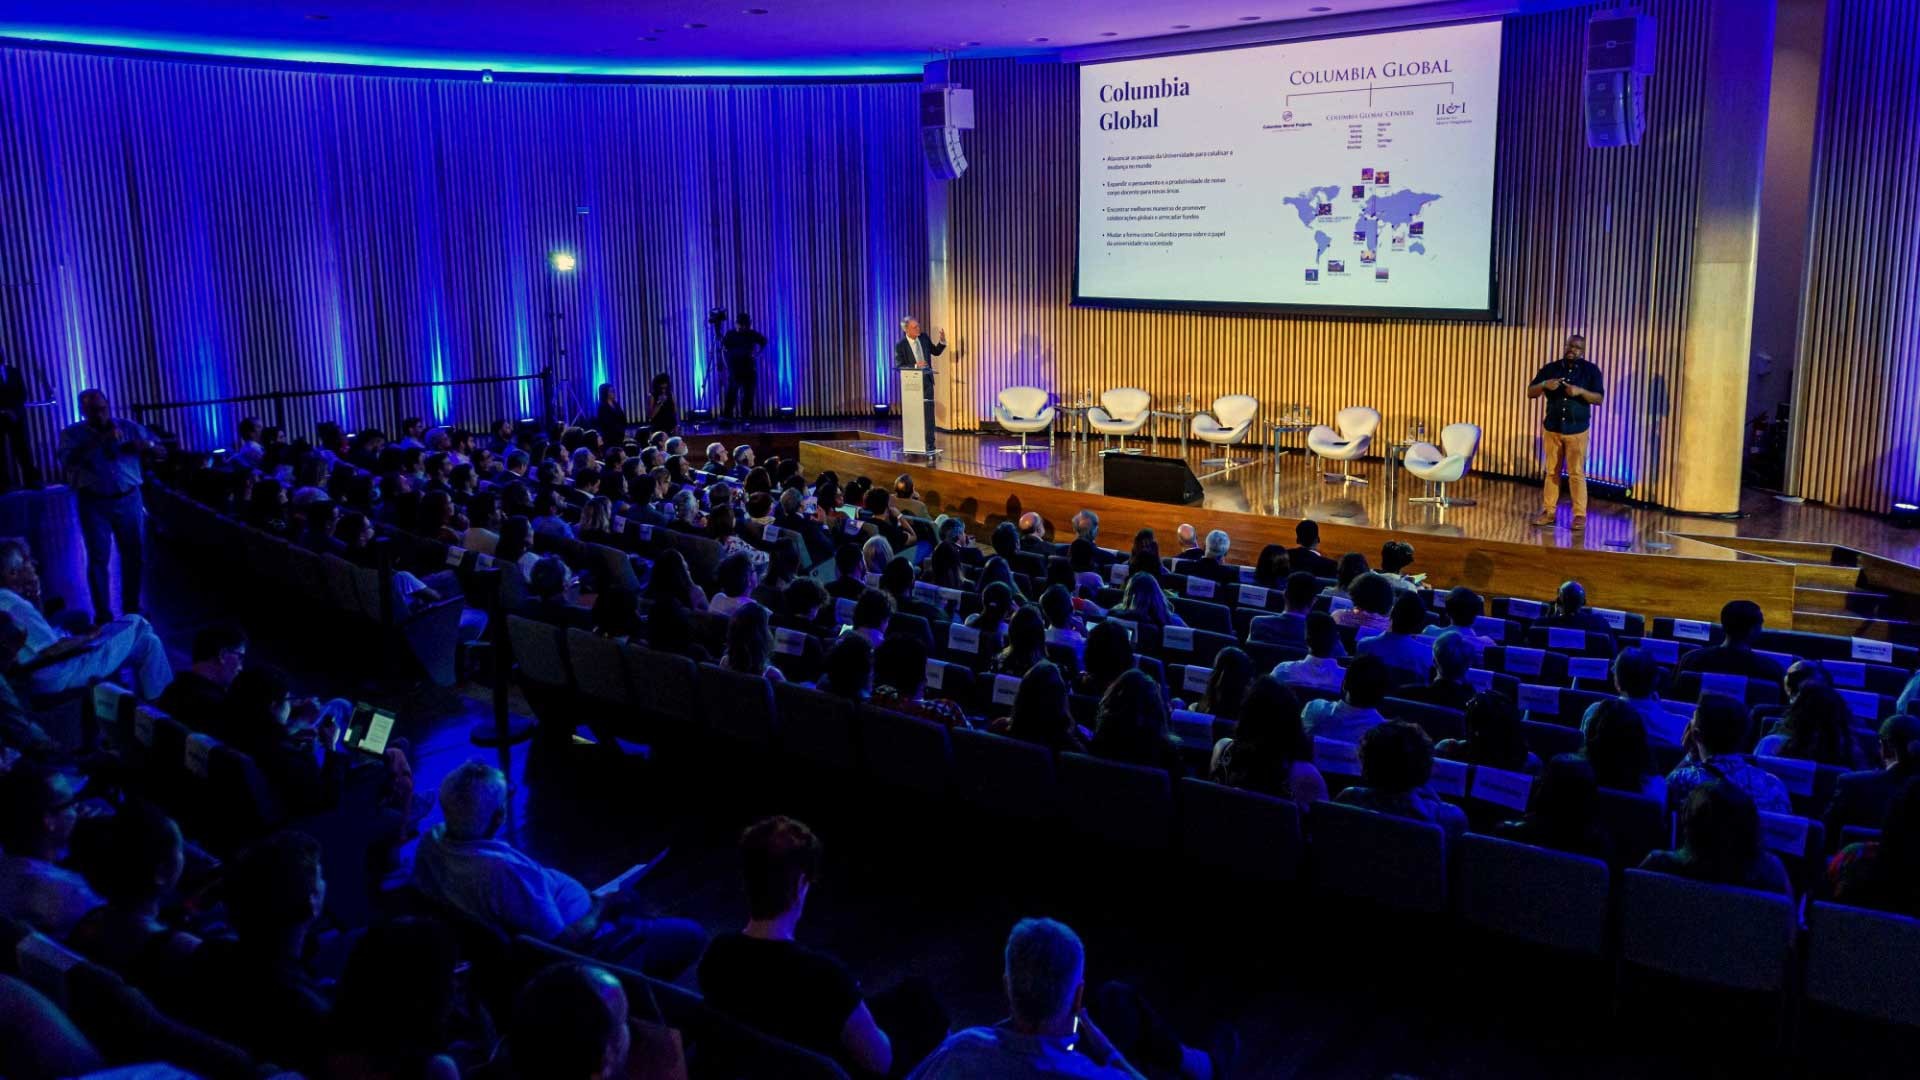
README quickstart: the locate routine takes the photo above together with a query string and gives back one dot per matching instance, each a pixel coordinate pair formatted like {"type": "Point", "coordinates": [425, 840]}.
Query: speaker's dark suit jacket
{"type": "Point", "coordinates": [903, 351]}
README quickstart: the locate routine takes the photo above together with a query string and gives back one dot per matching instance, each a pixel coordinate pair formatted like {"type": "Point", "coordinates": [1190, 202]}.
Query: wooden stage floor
{"type": "Point", "coordinates": [1259, 502]}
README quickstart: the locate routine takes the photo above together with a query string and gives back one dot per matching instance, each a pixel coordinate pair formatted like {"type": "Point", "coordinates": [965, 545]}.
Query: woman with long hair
{"type": "Point", "coordinates": [1616, 747]}
{"type": "Point", "coordinates": [1270, 751]}
{"type": "Point", "coordinates": [1884, 874]}
{"type": "Point", "coordinates": [1108, 655]}
{"type": "Point", "coordinates": [1817, 726]}
{"type": "Point", "coordinates": [1040, 712]}
{"type": "Point", "coordinates": [1145, 603]}
{"type": "Point", "coordinates": [1026, 643]}
{"type": "Point", "coordinates": [750, 643]}
{"type": "Point", "coordinates": [1720, 831]}
{"type": "Point", "coordinates": [1494, 736]}
{"type": "Point", "coordinates": [1227, 684]}
{"type": "Point", "coordinates": [1131, 724]}
{"type": "Point", "coordinates": [1145, 556]}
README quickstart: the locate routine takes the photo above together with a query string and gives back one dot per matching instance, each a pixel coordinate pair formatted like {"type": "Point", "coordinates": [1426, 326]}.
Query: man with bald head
{"type": "Point", "coordinates": [1033, 534]}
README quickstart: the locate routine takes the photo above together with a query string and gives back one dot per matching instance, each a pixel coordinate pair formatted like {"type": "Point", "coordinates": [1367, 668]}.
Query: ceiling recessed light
{"type": "Point", "coordinates": [754, 11]}
{"type": "Point", "coordinates": [1108, 33]}
{"type": "Point", "coordinates": [648, 37]}
{"type": "Point", "coordinates": [1182, 26]}
{"type": "Point", "coordinates": [319, 17]}
{"type": "Point", "coordinates": [969, 44]}
{"type": "Point", "coordinates": [1039, 40]}
{"type": "Point", "coordinates": [1249, 18]}
{"type": "Point", "coordinates": [1321, 10]}
{"type": "Point", "coordinates": [695, 25]}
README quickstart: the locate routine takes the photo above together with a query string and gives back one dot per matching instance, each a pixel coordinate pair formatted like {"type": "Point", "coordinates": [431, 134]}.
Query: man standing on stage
{"type": "Point", "coordinates": [13, 425]}
{"type": "Point", "coordinates": [103, 458]}
{"type": "Point", "coordinates": [742, 345]}
{"type": "Point", "coordinates": [915, 349]}
{"type": "Point", "coordinates": [1572, 386]}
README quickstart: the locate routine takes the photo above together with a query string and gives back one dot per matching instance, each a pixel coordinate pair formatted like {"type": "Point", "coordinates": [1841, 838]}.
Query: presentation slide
{"type": "Point", "coordinates": [1350, 174]}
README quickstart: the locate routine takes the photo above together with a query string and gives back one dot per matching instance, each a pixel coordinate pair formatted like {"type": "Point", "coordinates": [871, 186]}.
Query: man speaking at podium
{"type": "Point", "coordinates": [915, 348]}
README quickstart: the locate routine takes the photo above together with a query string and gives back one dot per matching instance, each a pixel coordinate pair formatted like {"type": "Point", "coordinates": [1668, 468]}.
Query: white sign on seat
{"type": "Point", "coordinates": [1449, 778]}
{"type": "Point", "coordinates": [1797, 775]}
{"type": "Point", "coordinates": [1692, 630]}
{"type": "Point", "coordinates": [1501, 787]}
{"type": "Point", "coordinates": [1253, 596]}
{"type": "Point", "coordinates": [1196, 678]}
{"type": "Point", "coordinates": [964, 639]}
{"type": "Point", "coordinates": [1879, 652]}
{"type": "Point", "coordinates": [1005, 689]}
{"type": "Point", "coordinates": [1784, 833]}
{"type": "Point", "coordinates": [1177, 638]}
{"type": "Point", "coordinates": [1200, 588]}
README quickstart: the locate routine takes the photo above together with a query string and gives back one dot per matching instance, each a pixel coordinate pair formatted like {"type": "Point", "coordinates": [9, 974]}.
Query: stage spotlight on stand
{"type": "Point", "coordinates": [561, 261]}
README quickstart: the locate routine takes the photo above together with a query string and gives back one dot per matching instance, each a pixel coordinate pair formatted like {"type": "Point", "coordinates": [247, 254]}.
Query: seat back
{"type": "Point", "coordinates": [739, 706]}
{"type": "Point", "coordinates": [1125, 403]}
{"type": "Point", "coordinates": [1636, 823]}
{"type": "Point", "coordinates": [1005, 777]}
{"type": "Point", "coordinates": [1247, 834]}
{"type": "Point", "coordinates": [1118, 805]}
{"type": "Point", "coordinates": [538, 653]}
{"type": "Point", "coordinates": [1024, 402]}
{"type": "Point", "coordinates": [1460, 440]}
{"type": "Point", "coordinates": [906, 752]}
{"type": "Point", "coordinates": [1860, 962]}
{"type": "Point", "coordinates": [1532, 893]}
{"type": "Point", "coordinates": [817, 727]}
{"type": "Point", "coordinates": [1233, 410]}
{"type": "Point", "coordinates": [1356, 422]}
{"type": "Point", "coordinates": [1438, 721]}
{"type": "Point", "coordinates": [663, 683]}
{"type": "Point", "coordinates": [597, 668]}
{"type": "Point", "coordinates": [1391, 861]}
{"type": "Point", "coordinates": [1714, 934]}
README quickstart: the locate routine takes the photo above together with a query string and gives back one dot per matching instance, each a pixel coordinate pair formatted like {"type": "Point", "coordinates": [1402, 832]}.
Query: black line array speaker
{"type": "Point", "coordinates": [1155, 479]}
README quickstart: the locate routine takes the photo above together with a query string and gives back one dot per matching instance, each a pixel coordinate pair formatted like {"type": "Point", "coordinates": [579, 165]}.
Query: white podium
{"type": "Point", "coordinates": [916, 411]}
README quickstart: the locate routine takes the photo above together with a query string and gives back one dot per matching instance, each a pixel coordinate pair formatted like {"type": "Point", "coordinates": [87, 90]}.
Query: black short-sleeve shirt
{"type": "Point", "coordinates": [782, 988]}
{"type": "Point", "coordinates": [1568, 415]}
{"type": "Point", "coordinates": [739, 344]}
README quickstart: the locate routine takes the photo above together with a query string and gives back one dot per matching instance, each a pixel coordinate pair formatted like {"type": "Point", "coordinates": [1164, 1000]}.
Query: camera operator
{"type": "Point", "coordinates": [742, 346]}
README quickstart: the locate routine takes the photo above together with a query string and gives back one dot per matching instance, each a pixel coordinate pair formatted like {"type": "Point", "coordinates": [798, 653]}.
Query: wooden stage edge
{"type": "Point", "coordinates": [1675, 585]}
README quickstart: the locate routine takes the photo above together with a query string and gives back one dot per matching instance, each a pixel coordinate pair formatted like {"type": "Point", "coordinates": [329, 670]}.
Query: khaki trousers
{"type": "Point", "coordinates": [1572, 451]}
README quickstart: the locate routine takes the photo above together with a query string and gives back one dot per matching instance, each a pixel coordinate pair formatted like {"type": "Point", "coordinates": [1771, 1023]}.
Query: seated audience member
{"type": "Point", "coordinates": [514, 549]}
{"type": "Point", "coordinates": [942, 568]}
{"type": "Point", "coordinates": [1272, 569]}
{"type": "Point", "coordinates": [763, 976]}
{"type": "Point", "coordinates": [1636, 678]}
{"type": "Point", "coordinates": [1817, 727]}
{"type": "Point", "coordinates": [1863, 798]}
{"type": "Point", "coordinates": [1883, 874]}
{"type": "Point", "coordinates": [849, 671]}
{"type": "Point", "coordinates": [671, 582]}
{"type": "Point", "coordinates": [1305, 555]}
{"type": "Point", "coordinates": [1570, 610]}
{"type": "Point", "coordinates": [616, 614]}
{"type": "Point", "coordinates": [546, 516]}
{"type": "Point", "coordinates": [195, 695]}
{"type": "Point", "coordinates": [1562, 811]}
{"type": "Point", "coordinates": [1396, 762]}
{"type": "Point", "coordinates": [1144, 557]}
{"type": "Point", "coordinates": [571, 1021]}
{"type": "Point", "coordinates": [1033, 534]}
{"type": "Point", "coordinates": [1026, 643]}
{"type": "Point", "coordinates": [1188, 538]}
{"type": "Point", "coordinates": [998, 571]}
{"type": "Point", "coordinates": [1321, 669]}
{"type": "Point", "coordinates": [1803, 673]}
{"type": "Point", "coordinates": [395, 1006]}
{"type": "Point", "coordinates": [1715, 743]}
{"type": "Point", "coordinates": [1357, 710]}
{"type": "Point", "coordinates": [254, 988]}
{"type": "Point", "coordinates": [19, 731]}
{"type": "Point", "coordinates": [261, 719]}
{"type": "Point", "coordinates": [779, 570]}
{"type": "Point", "coordinates": [875, 554]}
{"type": "Point", "coordinates": [551, 594]}
{"type": "Point", "coordinates": [1226, 684]}
{"type": "Point", "coordinates": [733, 583]}
{"type": "Point", "coordinates": [1108, 655]}
{"type": "Point", "coordinates": [1395, 557]}
{"type": "Point", "coordinates": [1084, 560]}
{"type": "Point", "coordinates": [485, 520]}
{"type": "Point", "coordinates": [1351, 568]}
{"type": "Point", "coordinates": [996, 607]}
{"type": "Point", "coordinates": [847, 583]}
{"type": "Point", "coordinates": [1909, 700]}
{"type": "Point", "coordinates": [1145, 603]}
{"type": "Point", "coordinates": [1289, 627]}
{"type": "Point", "coordinates": [897, 581]}
{"type": "Point", "coordinates": [871, 614]}
{"type": "Point", "coordinates": [1404, 648]}
{"type": "Point", "coordinates": [1742, 621]}
{"type": "Point", "coordinates": [464, 864]}
{"type": "Point", "coordinates": [899, 676]}
{"type": "Point", "coordinates": [1086, 526]}
{"type": "Point", "coordinates": [670, 629]}
{"type": "Point", "coordinates": [717, 462]}
{"type": "Point", "coordinates": [750, 643]}
{"type": "Point", "coordinates": [805, 605]}
{"type": "Point", "coordinates": [38, 810]}
{"type": "Point", "coordinates": [1720, 830]}
{"type": "Point", "coordinates": [1494, 737]}
{"type": "Point", "coordinates": [1372, 597]}
{"type": "Point", "coordinates": [1131, 725]}
{"type": "Point", "coordinates": [140, 859]}
{"type": "Point", "coordinates": [1050, 1030]}
{"type": "Point", "coordinates": [1463, 608]}
{"type": "Point", "coordinates": [1615, 745]}
{"type": "Point", "coordinates": [1448, 688]}
{"type": "Point", "coordinates": [1270, 752]}
{"type": "Point", "coordinates": [1040, 714]}
{"type": "Point", "coordinates": [596, 522]}
{"type": "Point", "coordinates": [1063, 627]}
{"type": "Point", "coordinates": [54, 661]}
{"type": "Point", "coordinates": [1213, 564]}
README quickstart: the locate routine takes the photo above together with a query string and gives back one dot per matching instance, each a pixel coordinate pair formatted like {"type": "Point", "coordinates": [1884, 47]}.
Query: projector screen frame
{"type": "Point", "coordinates": [1337, 312]}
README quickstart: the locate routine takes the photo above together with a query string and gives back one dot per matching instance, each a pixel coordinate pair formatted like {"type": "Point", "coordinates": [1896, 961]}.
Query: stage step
{"type": "Point", "coordinates": [1800, 553]}
{"type": "Point", "coordinates": [1826, 622]}
{"type": "Point", "coordinates": [1808, 576]}
{"type": "Point", "coordinates": [1839, 601]}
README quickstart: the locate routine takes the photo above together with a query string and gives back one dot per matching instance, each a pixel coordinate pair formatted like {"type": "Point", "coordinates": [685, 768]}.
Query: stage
{"type": "Point", "coordinates": [1809, 566]}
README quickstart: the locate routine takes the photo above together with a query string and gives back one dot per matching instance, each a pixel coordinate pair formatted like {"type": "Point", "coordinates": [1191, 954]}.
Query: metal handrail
{"type": "Point", "coordinates": [279, 398]}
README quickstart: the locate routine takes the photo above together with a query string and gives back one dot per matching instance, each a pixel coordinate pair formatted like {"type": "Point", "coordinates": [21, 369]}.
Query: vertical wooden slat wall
{"type": "Point", "coordinates": [1597, 241]}
{"type": "Point", "coordinates": [179, 230]}
{"type": "Point", "coordinates": [1856, 422]}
